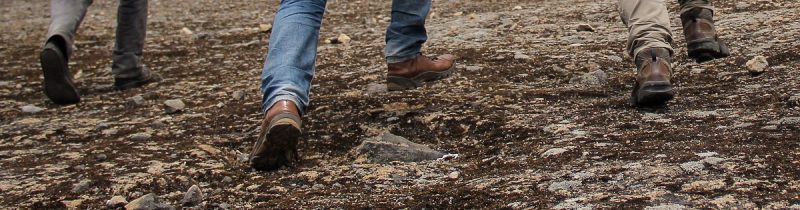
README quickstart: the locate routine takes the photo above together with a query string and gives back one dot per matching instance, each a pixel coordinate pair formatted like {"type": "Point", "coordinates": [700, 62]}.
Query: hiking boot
{"type": "Point", "coordinates": [411, 73]}
{"type": "Point", "coordinates": [277, 142]}
{"type": "Point", "coordinates": [652, 87]}
{"type": "Point", "coordinates": [702, 41]}
{"type": "Point", "coordinates": [58, 86]}
{"type": "Point", "coordinates": [144, 78]}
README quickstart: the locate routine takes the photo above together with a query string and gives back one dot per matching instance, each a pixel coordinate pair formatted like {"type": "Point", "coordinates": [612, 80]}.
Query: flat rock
{"type": "Point", "coordinates": [554, 152]}
{"type": "Point", "coordinates": [585, 27]}
{"type": "Point", "coordinates": [692, 166]}
{"type": "Point", "coordinates": [703, 186]}
{"type": "Point", "coordinates": [375, 88]}
{"type": "Point", "coordinates": [140, 136]}
{"type": "Point", "coordinates": [564, 185]}
{"type": "Point", "coordinates": [597, 77]}
{"type": "Point", "coordinates": [82, 186]}
{"type": "Point", "coordinates": [389, 147]}
{"type": "Point", "coordinates": [173, 106]}
{"type": "Point", "coordinates": [666, 207]}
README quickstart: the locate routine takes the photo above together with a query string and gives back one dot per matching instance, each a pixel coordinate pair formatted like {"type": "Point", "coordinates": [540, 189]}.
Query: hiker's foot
{"type": "Point", "coordinates": [411, 73]}
{"type": "Point", "coordinates": [277, 142]}
{"type": "Point", "coordinates": [702, 41]}
{"type": "Point", "coordinates": [58, 86]}
{"type": "Point", "coordinates": [144, 78]}
{"type": "Point", "coordinates": [652, 86]}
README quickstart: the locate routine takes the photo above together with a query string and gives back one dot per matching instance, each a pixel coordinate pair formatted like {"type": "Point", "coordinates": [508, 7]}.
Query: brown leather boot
{"type": "Point", "coordinates": [277, 142]}
{"type": "Point", "coordinates": [411, 73]}
{"type": "Point", "coordinates": [652, 87]}
{"type": "Point", "coordinates": [702, 41]}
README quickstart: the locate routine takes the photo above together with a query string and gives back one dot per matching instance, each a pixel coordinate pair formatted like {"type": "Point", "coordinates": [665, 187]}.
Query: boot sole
{"type": "Point", "coordinates": [706, 50]}
{"type": "Point", "coordinates": [653, 94]}
{"type": "Point", "coordinates": [278, 147]}
{"type": "Point", "coordinates": [395, 83]}
{"type": "Point", "coordinates": [57, 85]}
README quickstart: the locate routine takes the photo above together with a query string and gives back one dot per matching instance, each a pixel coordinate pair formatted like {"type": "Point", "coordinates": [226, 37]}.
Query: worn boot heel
{"type": "Point", "coordinates": [394, 83]}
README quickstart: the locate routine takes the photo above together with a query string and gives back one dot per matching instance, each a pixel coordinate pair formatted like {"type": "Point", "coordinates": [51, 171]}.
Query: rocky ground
{"type": "Point", "coordinates": [535, 117]}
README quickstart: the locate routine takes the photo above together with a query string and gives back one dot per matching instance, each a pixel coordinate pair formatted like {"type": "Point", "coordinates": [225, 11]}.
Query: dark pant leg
{"type": "Point", "coordinates": [66, 17]}
{"type": "Point", "coordinates": [131, 28]}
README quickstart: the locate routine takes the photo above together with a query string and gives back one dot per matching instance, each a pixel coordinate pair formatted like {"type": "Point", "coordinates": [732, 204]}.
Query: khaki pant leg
{"type": "Point", "coordinates": [648, 25]}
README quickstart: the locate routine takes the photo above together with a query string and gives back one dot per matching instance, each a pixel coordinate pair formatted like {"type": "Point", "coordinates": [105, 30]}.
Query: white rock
{"type": "Point", "coordinates": [31, 109]}
{"type": "Point", "coordinates": [757, 65]}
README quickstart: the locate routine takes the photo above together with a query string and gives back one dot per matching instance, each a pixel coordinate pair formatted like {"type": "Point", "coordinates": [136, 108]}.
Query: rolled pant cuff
{"type": "Point", "coordinates": [652, 45]}
{"type": "Point", "coordinates": [398, 59]}
{"type": "Point", "coordinates": [288, 97]}
{"type": "Point", "coordinates": [690, 6]}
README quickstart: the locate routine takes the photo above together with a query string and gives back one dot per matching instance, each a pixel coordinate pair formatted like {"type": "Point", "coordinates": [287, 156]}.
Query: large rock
{"type": "Point", "coordinates": [147, 202]}
{"type": "Point", "coordinates": [388, 147]}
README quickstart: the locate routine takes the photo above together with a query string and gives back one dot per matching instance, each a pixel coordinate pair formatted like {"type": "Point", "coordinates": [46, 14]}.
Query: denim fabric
{"type": "Point", "coordinates": [289, 64]}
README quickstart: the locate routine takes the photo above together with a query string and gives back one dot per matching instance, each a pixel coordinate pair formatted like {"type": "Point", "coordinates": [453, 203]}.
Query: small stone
{"type": "Point", "coordinates": [517, 7]}
{"type": "Point", "coordinates": [614, 58]}
{"type": "Point", "coordinates": [713, 160]}
{"type": "Point", "coordinates": [201, 35]}
{"type": "Point", "coordinates": [187, 31]}
{"type": "Point", "coordinates": [116, 202]}
{"type": "Point", "coordinates": [375, 88]}
{"type": "Point", "coordinates": [521, 56]}
{"type": "Point", "coordinates": [453, 175]}
{"type": "Point", "coordinates": [585, 27]}
{"type": "Point", "coordinates": [193, 197]}
{"type": "Point", "coordinates": [264, 28]}
{"type": "Point", "coordinates": [388, 147]}
{"type": "Point", "coordinates": [341, 39]}
{"type": "Point", "coordinates": [136, 100]}
{"type": "Point", "coordinates": [82, 186]}
{"type": "Point", "coordinates": [31, 109]}
{"type": "Point", "coordinates": [227, 179]}
{"type": "Point", "coordinates": [697, 71]}
{"type": "Point", "coordinates": [707, 154]}
{"type": "Point", "coordinates": [100, 157]}
{"type": "Point", "coordinates": [140, 136]}
{"type": "Point", "coordinates": [474, 68]}
{"type": "Point", "coordinates": [597, 77]}
{"type": "Point", "coordinates": [173, 106]}
{"type": "Point", "coordinates": [238, 95]}
{"type": "Point", "coordinates": [554, 152]}
{"type": "Point", "coordinates": [757, 65]}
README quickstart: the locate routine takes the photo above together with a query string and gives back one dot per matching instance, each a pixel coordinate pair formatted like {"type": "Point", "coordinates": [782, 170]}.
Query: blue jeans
{"type": "Point", "coordinates": [289, 65]}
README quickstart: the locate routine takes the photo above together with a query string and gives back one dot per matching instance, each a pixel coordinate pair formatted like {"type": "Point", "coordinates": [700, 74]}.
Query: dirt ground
{"type": "Point", "coordinates": [526, 137]}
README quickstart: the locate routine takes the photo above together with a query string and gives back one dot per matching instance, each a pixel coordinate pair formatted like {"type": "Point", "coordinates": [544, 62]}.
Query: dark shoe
{"type": "Point", "coordinates": [652, 87]}
{"type": "Point", "coordinates": [145, 78]}
{"type": "Point", "coordinates": [57, 83]}
{"type": "Point", "coordinates": [410, 74]}
{"type": "Point", "coordinates": [702, 41]}
{"type": "Point", "coordinates": [277, 142]}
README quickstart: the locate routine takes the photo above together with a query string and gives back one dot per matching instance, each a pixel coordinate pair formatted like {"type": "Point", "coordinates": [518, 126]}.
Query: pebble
{"type": "Point", "coordinates": [741, 6]}
{"type": "Point", "coordinates": [116, 202]}
{"type": "Point", "coordinates": [227, 179]}
{"type": "Point", "coordinates": [757, 65]}
{"type": "Point", "coordinates": [521, 56]}
{"type": "Point", "coordinates": [264, 28]}
{"type": "Point", "coordinates": [453, 175]}
{"type": "Point", "coordinates": [554, 152]}
{"type": "Point", "coordinates": [187, 31]}
{"type": "Point", "coordinates": [31, 109]}
{"type": "Point", "coordinates": [238, 95]}
{"type": "Point", "coordinates": [82, 186]}
{"type": "Point", "coordinates": [597, 77]}
{"type": "Point", "coordinates": [173, 106]}
{"type": "Point", "coordinates": [192, 197]}
{"type": "Point", "coordinates": [474, 68]}
{"type": "Point", "coordinates": [136, 100]}
{"type": "Point", "coordinates": [614, 58]}
{"type": "Point", "coordinates": [375, 88]}
{"type": "Point", "coordinates": [140, 136]}
{"type": "Point", "coordinates": [101, 157]}
{"type": "Point", "coordinates": [585, 27]}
